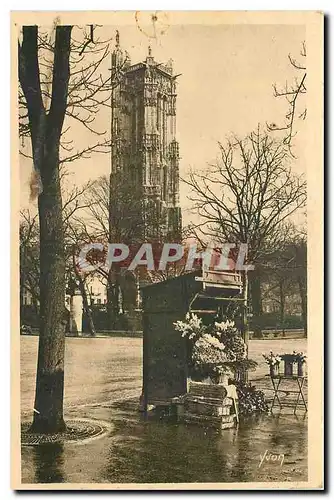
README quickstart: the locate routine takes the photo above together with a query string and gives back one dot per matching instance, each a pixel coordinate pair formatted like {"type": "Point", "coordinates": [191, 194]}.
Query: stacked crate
{"type": "Point", "coordinates": [206, 404]}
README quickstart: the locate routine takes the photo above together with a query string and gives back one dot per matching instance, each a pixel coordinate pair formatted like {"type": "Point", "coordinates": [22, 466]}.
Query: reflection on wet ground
{"type": "Point", "coordinates": [266, 448]}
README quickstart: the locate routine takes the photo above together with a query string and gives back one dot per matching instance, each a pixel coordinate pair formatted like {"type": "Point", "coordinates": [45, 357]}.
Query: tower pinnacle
{"type": "Point", "coordinates": [117, 57]}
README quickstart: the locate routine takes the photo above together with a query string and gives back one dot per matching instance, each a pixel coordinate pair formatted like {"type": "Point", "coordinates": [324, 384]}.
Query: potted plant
{"type": "Point", "coordinates": [301, 360]}
{"type": "Point", "coordinates": [289, 360]}
{"type": "Point", "coordinates": [273, 360]}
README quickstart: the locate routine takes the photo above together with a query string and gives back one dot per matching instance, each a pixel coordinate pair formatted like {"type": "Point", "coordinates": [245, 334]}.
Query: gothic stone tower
{"type": "Point", "coordinates": [144, 146]}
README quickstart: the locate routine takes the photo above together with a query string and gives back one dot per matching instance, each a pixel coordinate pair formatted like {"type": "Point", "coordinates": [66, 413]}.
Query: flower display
{"type": "Point", "coordinates": [213, 349]}
{"type": "Point", "coordinates": [208, 351]}
{"type": "Point", "coordinates": [224, 326]}
{"type": "Point", "coordinates": [218, 351]}
{"type": "Point", "coordinates": [272, 359]}
{"type": "Point", "coordinates": [299, 357]}
{"type": "Point", "coordinates": [251, 400]}
{"type": "Point", "coordinates": [235, 346]}
{"type": "Point", "coordinates": [191, 328]}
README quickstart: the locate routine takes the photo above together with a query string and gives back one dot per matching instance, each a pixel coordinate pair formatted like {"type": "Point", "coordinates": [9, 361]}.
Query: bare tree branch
{"type": "Point", "coordinates": [248, 195]}
{"type": "Point", "coordinates": [292, 94]}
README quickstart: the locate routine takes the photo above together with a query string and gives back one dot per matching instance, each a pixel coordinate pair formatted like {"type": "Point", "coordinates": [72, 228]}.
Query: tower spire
{"type": "Point", "coordinates": [117, 57]}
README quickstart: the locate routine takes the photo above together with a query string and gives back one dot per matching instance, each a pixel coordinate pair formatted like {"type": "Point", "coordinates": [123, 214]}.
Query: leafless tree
{"type": "Point", "coordinates": [73, 202]}
{"type": "Point", "coordinates": [119, 212]}
{"type": "Point", "coordinates": [29, 257]}
{"type": "Point", "coordinates": [292, 92]}
{"type": "Point", "coordinates": [89, 88]}
{"type": "Point", "coordinates": [246, 197]}
{"type": "Point", "coordinates": [284, 272]}
{"type": "Point", "coordinates": [57, 81]}
{"type": "Point", "coordinates": [75, 239]}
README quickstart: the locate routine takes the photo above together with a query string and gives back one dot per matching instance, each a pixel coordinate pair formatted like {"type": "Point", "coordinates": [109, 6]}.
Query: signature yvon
{"type": "Point", "coordinates": [271, 457]}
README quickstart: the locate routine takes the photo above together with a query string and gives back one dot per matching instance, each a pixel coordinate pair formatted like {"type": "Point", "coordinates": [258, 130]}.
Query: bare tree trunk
{"type": "Point", "coordinates": [110, 302]}
{"type": "Point", "coordinates": [303, 298]}
{"type": "Point", "coordinates": [256, 300]}
{"type": "Point", "coordinates": [21, 295]}
{"type": "Point", "coordinates": [91, 326]}
{"type": "Point", "coordinates": [113, 288]}
{"type": "Point", "coordinates": [48, 414]}
{"type": "Point", "coordinates": [34, 296]}
{"type": "Point", "coordinates": [282, 306]}
{"type": "Point", "coordinates": [35, 303]}
{"type": "Point", "coordinates": [45, 129]}
{"type": "Point", "coordinates": [245, 330]}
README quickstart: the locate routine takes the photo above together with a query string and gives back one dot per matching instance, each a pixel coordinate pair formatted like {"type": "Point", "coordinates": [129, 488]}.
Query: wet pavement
{"type": "Point", "coordinates": [103, 383]}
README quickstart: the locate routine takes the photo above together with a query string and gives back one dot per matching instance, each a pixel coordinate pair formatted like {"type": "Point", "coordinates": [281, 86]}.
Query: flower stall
{"type": "Point", "coordinates": [192, 358]}
{"type": "Point", "coordinates": [216, 353]}
{"type": "Point", "coordinates": [165, 351]}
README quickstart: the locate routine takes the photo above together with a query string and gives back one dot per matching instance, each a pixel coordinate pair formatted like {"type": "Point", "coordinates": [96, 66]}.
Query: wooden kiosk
{"type": "Point", "coordinates": [164, 350]}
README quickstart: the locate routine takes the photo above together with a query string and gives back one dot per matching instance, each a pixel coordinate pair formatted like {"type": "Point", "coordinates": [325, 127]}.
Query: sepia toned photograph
{"type": "Point", "coordinates": [167, 213]}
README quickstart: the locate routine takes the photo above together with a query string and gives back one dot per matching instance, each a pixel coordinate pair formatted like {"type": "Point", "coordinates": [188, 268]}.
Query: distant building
{"type": "Point", "coordinates": [97, 290]}
{"type": "Point", "coordinates": [27, 298]}
{"type": "Point", "coordinates": [143, 131]}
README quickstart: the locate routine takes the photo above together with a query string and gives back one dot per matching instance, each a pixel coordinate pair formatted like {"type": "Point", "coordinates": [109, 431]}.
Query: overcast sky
{"type": "Point", "coordinates": [225, 87]}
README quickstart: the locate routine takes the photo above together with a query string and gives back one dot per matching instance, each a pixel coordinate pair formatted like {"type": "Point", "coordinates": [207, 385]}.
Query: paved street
{"type": "Point", "coordinates": [103, 383]}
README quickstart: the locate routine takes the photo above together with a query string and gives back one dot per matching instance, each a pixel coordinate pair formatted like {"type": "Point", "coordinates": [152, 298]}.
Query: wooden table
{"type": "Point", "coordinates": [276, 381]}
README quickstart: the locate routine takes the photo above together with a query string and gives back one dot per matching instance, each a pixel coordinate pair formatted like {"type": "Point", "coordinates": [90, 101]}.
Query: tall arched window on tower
{"type": "Point", "coordinates": [133, 124]}
{"type": "Point", "coordinates": [116, 126]}
{"type": "Point", "coordinates": [164, 124]}
{"type": "Point", "coordinates": [140, 111]}
{"type": "Point", "coordinates": [158, 113]}
{"type": "Point", "coordinates": [137, 120]}
{"type": "Point", "coordinates": [165, 180]}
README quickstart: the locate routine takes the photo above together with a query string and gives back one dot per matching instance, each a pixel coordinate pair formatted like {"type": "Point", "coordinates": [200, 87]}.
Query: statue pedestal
{"type": "Point", "coordinates": [76, 314]}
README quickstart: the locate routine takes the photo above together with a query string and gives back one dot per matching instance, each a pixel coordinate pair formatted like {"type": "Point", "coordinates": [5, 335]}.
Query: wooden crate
{"type": "Point", "coordinates": [214, 391]}
{"type": "Point", "coordinates": [207, 407]}
{"type": "Point", "coordinates": [221, 422]}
